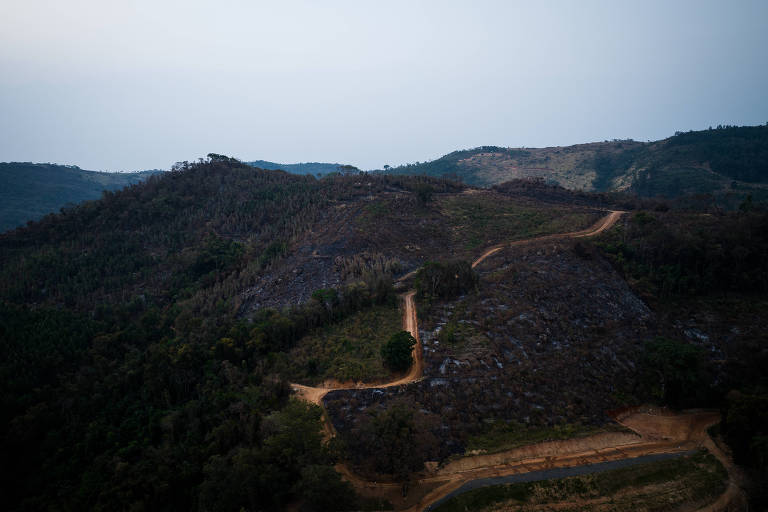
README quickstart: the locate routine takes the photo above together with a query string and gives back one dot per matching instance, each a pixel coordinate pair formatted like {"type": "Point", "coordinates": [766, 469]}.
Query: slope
{"type": "Point", "coordinates": [29, 191]}
{"type": "Point", "coordinates": [730, 162]}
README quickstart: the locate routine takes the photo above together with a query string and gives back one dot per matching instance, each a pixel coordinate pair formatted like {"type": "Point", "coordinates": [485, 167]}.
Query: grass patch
{"type": "Point", "coordinates": [348, 351]}
{"type": "Point", "coordinates": [662, 485]}
{"type": "Point", "coordinates": [502, 435]}
{"type": "Point", "coordinates": [373, 213]}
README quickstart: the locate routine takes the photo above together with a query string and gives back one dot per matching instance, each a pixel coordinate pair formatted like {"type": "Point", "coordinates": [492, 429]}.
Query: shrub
{"type": "Point", "coordinates": [397, 351]}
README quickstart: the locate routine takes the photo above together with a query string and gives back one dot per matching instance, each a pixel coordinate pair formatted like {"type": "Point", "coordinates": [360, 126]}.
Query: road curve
{"type": "Point", "coordinates": [597, 228]}
{"type": "Point", "coordinates": [555, 474]}
{"type": "Point", "coordinates": [410, 323]}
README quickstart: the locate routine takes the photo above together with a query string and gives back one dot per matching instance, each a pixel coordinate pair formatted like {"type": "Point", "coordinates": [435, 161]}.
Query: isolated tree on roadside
{"type": "Point", "coordinates": [397, 351]}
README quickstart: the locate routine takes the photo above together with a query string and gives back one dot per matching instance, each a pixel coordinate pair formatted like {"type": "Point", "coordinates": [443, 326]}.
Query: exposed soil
{"type": "Point", "coordinates": [656, 432]}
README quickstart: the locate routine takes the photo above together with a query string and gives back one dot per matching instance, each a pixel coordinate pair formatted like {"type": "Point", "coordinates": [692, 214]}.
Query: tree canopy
{"type": "Point", "coordinates": [397, 351]}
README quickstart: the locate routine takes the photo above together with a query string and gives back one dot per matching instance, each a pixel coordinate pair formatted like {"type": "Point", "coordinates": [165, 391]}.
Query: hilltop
{"type": "Point", "coordinates": [728, 162]}
{"type": "Point", "coordinates": [312, 168]}
{"type": "Point", "coordinates": [29, 191]}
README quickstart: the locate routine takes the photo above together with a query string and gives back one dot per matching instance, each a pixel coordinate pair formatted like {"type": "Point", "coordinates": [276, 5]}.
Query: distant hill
{"type": "Point", "coordinates": [29, 191]}
{"type": "Point", "coordinates": [725, 161]}
{"type": "Point", "coordinates": [313, 168]}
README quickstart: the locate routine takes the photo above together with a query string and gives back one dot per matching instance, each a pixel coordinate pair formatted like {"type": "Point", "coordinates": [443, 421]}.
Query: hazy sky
{"type": "Point", "coordinates": [128, 85]}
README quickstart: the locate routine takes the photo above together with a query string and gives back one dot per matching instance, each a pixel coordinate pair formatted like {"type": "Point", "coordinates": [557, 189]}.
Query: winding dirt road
{"type": "Point", "coordinates": [653, 433]}
{"type": "Point", "coordinates": [410, 323]}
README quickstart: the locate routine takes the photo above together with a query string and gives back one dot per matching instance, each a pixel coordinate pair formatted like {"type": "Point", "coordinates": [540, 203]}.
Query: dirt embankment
{"type": "Point", "coordinates": [654, 432]}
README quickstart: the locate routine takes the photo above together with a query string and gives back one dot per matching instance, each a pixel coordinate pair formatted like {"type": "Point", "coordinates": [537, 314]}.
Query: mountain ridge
{"type": "Point", "coordinates": [30, 191]}
{"type": "Point", "coordinates": [312, 168]}
{"type": "Point", "coordinates": [725, 161]}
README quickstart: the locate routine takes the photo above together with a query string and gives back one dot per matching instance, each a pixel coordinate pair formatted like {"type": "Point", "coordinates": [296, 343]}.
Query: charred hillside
{"type": "Point", "coordinates": [137, 329]}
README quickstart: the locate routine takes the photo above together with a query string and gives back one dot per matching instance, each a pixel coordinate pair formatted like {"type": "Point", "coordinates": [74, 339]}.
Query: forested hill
{"type": "Point", "coordinates": [29, 191]}
{"type": "Point", "coordinates": [724, 161]}
{"type": "Point", "coordinates": [313, 168]}
{"type": "Point", "coordinates": [129, 378]}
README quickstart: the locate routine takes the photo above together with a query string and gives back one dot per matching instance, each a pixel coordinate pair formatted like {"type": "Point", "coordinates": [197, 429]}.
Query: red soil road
{"type": "Point", "coordinates": [410, 322]}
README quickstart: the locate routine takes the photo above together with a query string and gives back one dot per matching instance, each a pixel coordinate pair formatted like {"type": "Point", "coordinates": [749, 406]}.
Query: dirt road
{"type": "Point", "coordinates": [597, 228]}
{"type": "Point", "coordinates": [410, 322]}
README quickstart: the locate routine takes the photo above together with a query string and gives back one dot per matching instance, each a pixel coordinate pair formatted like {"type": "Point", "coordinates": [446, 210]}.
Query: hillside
{"type": "Point", "coordinates": [29, 191]}
{"type": "Point", "coordinates": [312, 168]}
{"type": "Point", "coordinates": [728, 162]}
{"type": "Point", "coordinates": [149, 339]}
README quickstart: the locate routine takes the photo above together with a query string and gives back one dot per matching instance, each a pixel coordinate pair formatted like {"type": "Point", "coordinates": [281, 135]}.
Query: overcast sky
{"type": "Point", "coordinates": [129, 85]}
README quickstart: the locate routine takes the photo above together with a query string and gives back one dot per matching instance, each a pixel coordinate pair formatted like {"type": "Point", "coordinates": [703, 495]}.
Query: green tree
{"type": "Point", "coordinates": [324, 490]}
{"type": "Point", "coordinates": [424, 194]}
{"type": "Point", "coordinates": [397, 351]}
{"type": "Point", "coordinates": [675, 372]}
{"type": "Point", "coordinates": [398, 440]}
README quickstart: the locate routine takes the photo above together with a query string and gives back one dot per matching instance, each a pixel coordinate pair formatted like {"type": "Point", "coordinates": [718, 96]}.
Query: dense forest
{"type": "Point", "coordinates": [29, 191]}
